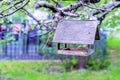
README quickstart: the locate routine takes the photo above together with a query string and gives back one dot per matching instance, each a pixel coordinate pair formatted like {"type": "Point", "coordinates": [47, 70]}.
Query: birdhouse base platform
{"type": "Point", "coordinates": [74, 51]}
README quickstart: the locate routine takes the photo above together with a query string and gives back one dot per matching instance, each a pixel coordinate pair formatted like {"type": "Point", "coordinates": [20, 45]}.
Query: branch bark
{"type": "Point", "coordinates": [46, 5]}
{"type": "Point", "coordinates": [58, 4]}
{"type": "Point", "coordinates": [2, 15]}
{"type": "Point", "coordinates": [72, 7]}
{"type": "Point", "coordinates": [29, 14]}
{"type": "Point", "coordinates": [60, 12]}
{"type": "Point", "coordinates": [105, 10]}
{"type": "Point", "coordinates": [65, 11]}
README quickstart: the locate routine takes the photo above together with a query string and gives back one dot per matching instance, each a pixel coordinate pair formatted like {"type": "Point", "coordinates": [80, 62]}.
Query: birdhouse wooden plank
{"type": "Point", "coordinates": [73, 51]}
{"type": "Point", "coordinates": [76, 32]}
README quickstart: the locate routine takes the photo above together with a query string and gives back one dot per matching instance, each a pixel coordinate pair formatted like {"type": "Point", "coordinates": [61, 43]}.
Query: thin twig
{"type": "Point", "coordinates": [58, 3]}
{"type": "Point", "coordinates": [29, 14]}
{"type": "Point", "coordinates": [12, 6]}
{"type": "Point", "coordinates": [2, 16]}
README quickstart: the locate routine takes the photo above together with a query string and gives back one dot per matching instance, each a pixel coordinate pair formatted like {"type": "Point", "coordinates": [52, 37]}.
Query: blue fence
{"type": "Point", "coordinates": [101, 45]}
{"type": "Point", "coordinates": [22, 47]}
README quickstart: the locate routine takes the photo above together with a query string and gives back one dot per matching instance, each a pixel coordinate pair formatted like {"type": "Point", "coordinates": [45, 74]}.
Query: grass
{"type": "Point", "coordinates": [50, 70]}
{"type": "Point", "coordinates": [113, 42]}
{"type": "Point", "coordinates": [40, 70]}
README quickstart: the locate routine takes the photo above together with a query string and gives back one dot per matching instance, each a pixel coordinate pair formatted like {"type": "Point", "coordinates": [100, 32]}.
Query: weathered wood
{"type": "Point", "coordinates": [74, 51]}
{"type": "Point", "coordinates": [76, 32]}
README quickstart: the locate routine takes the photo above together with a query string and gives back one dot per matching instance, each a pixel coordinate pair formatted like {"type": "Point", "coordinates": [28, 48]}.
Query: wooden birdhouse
{"type": "Point", "coordinates": [76, 32]}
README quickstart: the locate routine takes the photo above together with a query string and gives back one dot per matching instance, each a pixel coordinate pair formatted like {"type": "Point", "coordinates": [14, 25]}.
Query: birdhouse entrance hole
{"type": "Point", "coordinates": [76, 32]}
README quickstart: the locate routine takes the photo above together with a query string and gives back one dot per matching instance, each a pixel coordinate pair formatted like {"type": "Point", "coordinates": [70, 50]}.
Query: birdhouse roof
{"type": "Point", "coordinates": [76, 31]}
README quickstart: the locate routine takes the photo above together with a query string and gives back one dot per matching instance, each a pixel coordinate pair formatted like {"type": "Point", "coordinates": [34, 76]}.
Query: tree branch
{"type": "Point", "coordinates": [64, 11]}
{"type": "Point", "coordinates": [108, 8]}
{"type": "Point", "coordinates": [2, 15]}
{"type": "Point", "coordinates": [70, 14]}
{"type": "Point", "coordinates": [12, 6]}
{"type": "Point", "coordinates": [58, 3]}
{"type": "Point", "coordinates": [60, 12]}
{"type": "Point", "coordinates": [29, 14]}
{"type": "Point", "coordinates": [114, 5]}
{"type": "Point", "coordinates": [72, 7]}
{"type": "Point", "coordinates": [46, 5]}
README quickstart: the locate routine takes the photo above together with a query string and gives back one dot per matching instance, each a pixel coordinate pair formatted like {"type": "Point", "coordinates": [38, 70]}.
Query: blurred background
{"type": "Point", "coordinates": [28, 53]}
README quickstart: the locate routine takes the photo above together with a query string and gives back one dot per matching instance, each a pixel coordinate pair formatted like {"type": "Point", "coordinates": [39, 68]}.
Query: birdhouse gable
{"type": "Point", "coordinates": [76, 32]}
